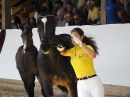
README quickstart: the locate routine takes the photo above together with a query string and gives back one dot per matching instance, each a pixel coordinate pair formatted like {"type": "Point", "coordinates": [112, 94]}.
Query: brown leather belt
{"type": "Point", "coordinates": [87, 77]}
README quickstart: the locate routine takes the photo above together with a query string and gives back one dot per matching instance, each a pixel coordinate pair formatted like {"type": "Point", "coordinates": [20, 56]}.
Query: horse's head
{"type": "Point", "coordinates": [46, 27]}
{"type": "Point", "coordinates": [26, 38]}
{"type": "Point", "coordinates": [46, 30]}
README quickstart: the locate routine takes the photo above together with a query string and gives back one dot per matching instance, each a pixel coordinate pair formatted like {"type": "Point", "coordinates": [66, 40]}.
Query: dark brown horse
{"type": "Point", "coordinates": [54, 69]}
{"type": "Point", "coordinates": [26, 61]}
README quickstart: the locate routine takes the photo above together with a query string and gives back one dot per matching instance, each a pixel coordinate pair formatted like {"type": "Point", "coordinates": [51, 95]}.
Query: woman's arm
{"type": "Point", "coordinates": [64, 53]}
{"type": "Point", "coordinates": [90, 52]}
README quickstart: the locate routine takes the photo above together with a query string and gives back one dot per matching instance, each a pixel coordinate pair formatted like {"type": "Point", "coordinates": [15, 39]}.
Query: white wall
{"type": "Point", "coordinates": [112, 64]}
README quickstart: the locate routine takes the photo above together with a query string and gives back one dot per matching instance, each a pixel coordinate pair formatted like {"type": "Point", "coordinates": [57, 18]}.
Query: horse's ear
{"type": "Point", "coordinates": [50, 5]}
{"type": "Point", "coordinates": [37, 5]}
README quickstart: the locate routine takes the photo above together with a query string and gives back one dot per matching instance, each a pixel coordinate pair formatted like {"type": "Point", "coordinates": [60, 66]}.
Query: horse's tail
{"type": "Point", "coordinates": [63, 94]}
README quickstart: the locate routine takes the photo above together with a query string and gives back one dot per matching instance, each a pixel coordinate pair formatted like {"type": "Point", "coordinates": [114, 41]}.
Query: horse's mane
{"type": "Point", "coordinates": [64, 40]}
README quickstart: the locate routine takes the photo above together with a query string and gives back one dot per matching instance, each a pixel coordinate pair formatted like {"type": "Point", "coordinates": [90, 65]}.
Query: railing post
{"type": "Point", "coordinates": [103, 12]}
{"type": "Point", "coordinates": [6, 14]}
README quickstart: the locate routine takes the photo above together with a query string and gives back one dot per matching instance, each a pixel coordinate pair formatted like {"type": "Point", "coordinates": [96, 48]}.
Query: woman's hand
{"type": "Point", "coordinates": [90, 52]}
{"type": "Point", "coordinates": [77, 41]}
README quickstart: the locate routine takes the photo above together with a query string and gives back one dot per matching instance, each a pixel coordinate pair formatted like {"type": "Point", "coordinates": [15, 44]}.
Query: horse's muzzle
{"type": "Point", "coordinates": [45, 48]}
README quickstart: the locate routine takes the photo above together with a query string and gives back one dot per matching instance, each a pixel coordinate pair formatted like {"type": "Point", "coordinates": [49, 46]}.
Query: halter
{"type": "Point", "coordinates": [52, 42]}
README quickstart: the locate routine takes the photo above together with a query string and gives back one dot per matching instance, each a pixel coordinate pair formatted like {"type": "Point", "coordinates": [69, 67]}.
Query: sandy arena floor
{"type": "Point", "coordinates": [14, 88]}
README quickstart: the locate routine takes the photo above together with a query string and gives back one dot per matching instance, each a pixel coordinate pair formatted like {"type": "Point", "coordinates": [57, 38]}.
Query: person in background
{"type": "Point", "coordinates": [80, 4]}
{"type": "Point", "coordinates": [65, 17]}
{"type": "Point", "coordinates": [84, 11]}
{"type": "Point", "coordinates": [27, 22]}
{"type": "Point", "coordinates": [113, 12]}
{"type": "Point", "coordinates": [74, 2]}
{"type": "Point", "coordinates": [82, 55]}
{"type": "Point", "coordinates": [99, 18]}
{"type": "Point", "coordinates": [33, 22]}
{"type": "Point", "coordinates": [59, 6]}
{"type": "Point", "coordinates": [126, 4]}
{"type": "Point", "coordinates": [16, 22]}
{"type": "Point", "coordinates": [125, 8]}
{"type": "Point", "coordinates": [92, 12]}
{"type": "Point", "coordinates": [70, 18]}
{"type": "Point", "coordinates": [74, 10]}
{"type": "Point", "coordinates": [126, 18]}
{"type": "Point", "coordinates": [71, 8]}
{"type": "Point", "coordinates": [60, 21]}
{"type": "Point", "coordinates": [97, 3]}
{"type": "Point", "coordinates": [78, 20]}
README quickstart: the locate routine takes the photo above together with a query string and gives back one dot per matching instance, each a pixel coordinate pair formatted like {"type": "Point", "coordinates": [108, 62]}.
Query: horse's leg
{"type": "Point", "coordinates": [42, 90]}
{"type": "Point", "coordinates": [73, 89]}
{"type": "Point", "coordinates": [29, 90]}
{"type": "Point", "coordinates": [46, 85]}
{"type": "Point", "coordinates": [28, 84]}
{"type": "Point", "coordinates": [64, 89]}
{"type": "Point", "coordinates": [48, 88]}
{"type": "Point", "coordinates": [31, 86]}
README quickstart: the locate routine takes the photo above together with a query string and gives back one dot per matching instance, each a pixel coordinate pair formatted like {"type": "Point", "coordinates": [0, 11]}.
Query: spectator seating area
{"type": "Point", "coordinates": [82, 12]}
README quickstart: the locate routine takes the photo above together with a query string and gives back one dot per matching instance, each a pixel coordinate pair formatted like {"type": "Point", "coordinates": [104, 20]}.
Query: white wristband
{"type": "Point", "coordinates": [60, 48]}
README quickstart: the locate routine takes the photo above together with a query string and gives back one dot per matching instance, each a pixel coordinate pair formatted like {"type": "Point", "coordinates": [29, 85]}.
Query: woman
{"type": "Point", "coordinates": [82, 55]}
